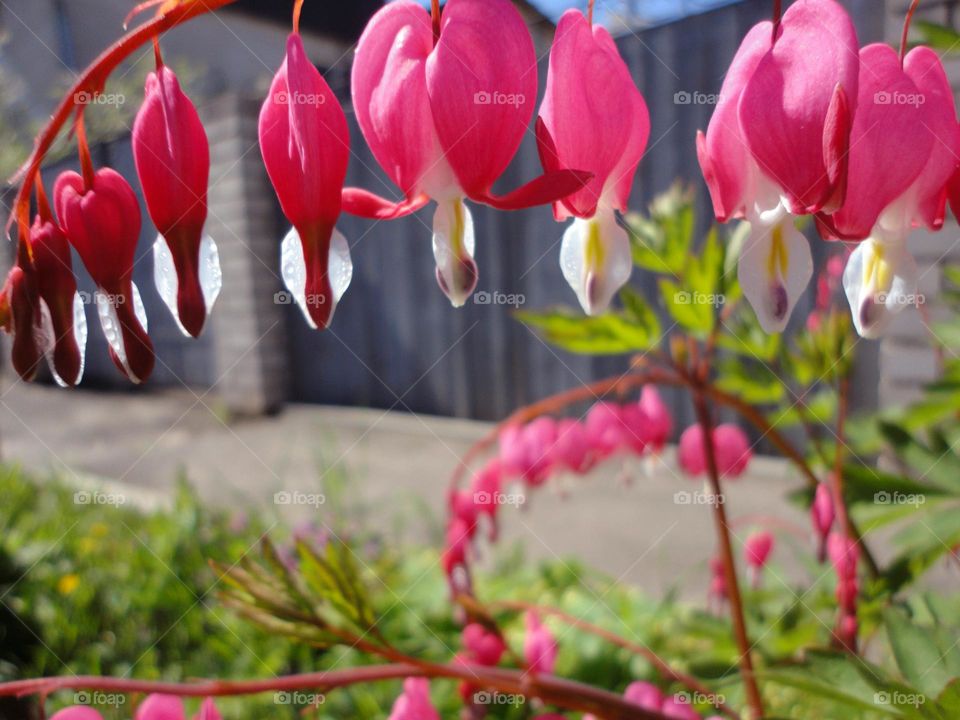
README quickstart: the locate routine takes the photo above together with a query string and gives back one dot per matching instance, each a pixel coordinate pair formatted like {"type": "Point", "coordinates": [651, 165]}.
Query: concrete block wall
{"type": "Point", "coordinates": [248, 327]}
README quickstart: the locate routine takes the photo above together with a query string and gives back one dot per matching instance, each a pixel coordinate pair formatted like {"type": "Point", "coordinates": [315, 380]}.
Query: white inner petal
{"type": "Point", "coordinates": [165, 276]}
{"type": "Point", "coordinates": [774, 269]}
{"type": "Point", "coordinates": [880, 280]}
{"type": "Point", "coordinates": [107, 310]}
{"type": "Point", "coordinates": [294, 272]}
{"type": "Point", "coordinates": [595, 259]}
{"type": "Point", "coordinates": [453, 248]}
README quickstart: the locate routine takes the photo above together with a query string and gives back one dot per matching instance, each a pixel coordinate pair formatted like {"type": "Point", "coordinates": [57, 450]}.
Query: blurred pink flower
{"type": "Point", "coordinates": [484, 646]}
{"type": "Point", "coordinates": [414, 703]}
{"type": "Point", "coordinates": [658, 415]}
{"type": "Point", "coordinates": [539, 646]}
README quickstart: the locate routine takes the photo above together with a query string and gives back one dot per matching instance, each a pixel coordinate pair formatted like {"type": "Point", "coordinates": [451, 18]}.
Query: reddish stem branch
{"type": "Point", "coordinates": [906, 30]}
{"type": "Point", "coordinates": [726, 553]}
{"type": "Point", "coordinates": [688, 681]}
{"type": "Point", "coordinates": [435, 16]}
{"type": "Point", "coordinates": [552, 690]}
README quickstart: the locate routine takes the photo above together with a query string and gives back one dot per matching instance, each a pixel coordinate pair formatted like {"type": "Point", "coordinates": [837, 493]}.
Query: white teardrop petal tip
{"type": "Point", "coordinates": [595, 260]}
{"type": "Point", "coordinates": [294, 272]}
{"type": "Point", "coordinates": [165, 276]}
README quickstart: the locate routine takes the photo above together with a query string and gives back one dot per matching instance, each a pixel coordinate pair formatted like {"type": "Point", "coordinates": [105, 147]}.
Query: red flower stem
{"type": "Point", "coordinates": [91, 81]}
{"type": "Point", "coordinates": [43, 205]}
{"type": "Point", "coordinates": [297, 9]}
{"type": "Point", "coordinates": [157, 55]}
{"type": "Point", "coordinates": [552, 690]}
{"type": "Point", "coordinates": [86, 162]}
{"type": "Point", "coordinates": [906, 29]}
{"type": "Point", "coordinates": [726, 553]}
{"type": "Point", "coordinates": [435, 15]}
{"type": "Point", "coordinates": [590, 12]}
{"type": "Point", "coordinates": [690, 682]}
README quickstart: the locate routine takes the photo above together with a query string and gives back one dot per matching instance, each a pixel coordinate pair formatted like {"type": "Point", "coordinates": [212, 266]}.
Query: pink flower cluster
{"type": "Point", "coordinates": [649, 697]}
{"type": "Point", "coordinates": [154, 707]}
{"type": "Point", "coordinates": [866, 141]}
{"type": "Point", "coordinates": [533, 453]}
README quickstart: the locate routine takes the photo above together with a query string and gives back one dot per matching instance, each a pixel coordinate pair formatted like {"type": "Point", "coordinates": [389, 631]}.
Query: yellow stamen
{"type": "Point", "coordinates": [594, 250]}
{"type": "Point", "coordinates": [778, 258]}
{"type": "Point", "coordinates": [877, 268]}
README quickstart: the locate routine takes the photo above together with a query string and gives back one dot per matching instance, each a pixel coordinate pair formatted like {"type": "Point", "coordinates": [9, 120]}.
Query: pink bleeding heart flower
{"type": "Point", "coordinates": [756, 552]}
{"type": "Point", "coordinates": [444, 119]}
{"type": "Point", "coordinates": [572, 448]}
{"type": "Point", "coordinates": [208, 711]}
{"type": "Point", "coordinates": [606, 429]}
{"type": "Point", "coordinates": [678, 708]}
{"type": "Point", "coordinates": [456, 546]}
{"type": "Point", "coordinates": [464, 508]}
{"type": "Point", "coordinates": [160, 707]}
{"type": "Point", "coordinates": [757, 549]}
{"type": "Point", "coordinates": [172, 156]}
{"type": "Point", "coordinates": [822, 517]}
{"type": "Point", "coordinates": [19, 308]}
{"type": "Point", "coordinates": [636, 427]}
{"type": "Point", "coordinates": [305, 145]}
{"type": "Point", "coordinates": [539, 646]}
{"type": "Point", "coordinates": [593, 118]}
{"type": "Point", "coordinates": [526, 451]}
{"type": "Point", "coordinates": [414, 703]}
{"type": "Point", "coordinates": [731, 448]}
{"type": "Point", "coordinates": [77, 712]}
{"type": "Point", "coordinates": [100, 216]}
{"type": "Point", "coordinates": [777, 145]}
{"type": "Point", "coordinates": [484, 646]}
{"type": "Point", "coordinates": [659, 418]}
{"type": "Point", "coordinates": [690, 452]}
{"type": "Point", "coordinates": [485, 488]}
{"type": "Point", "coordinates": [644, 694]}
{"type": "Point", "coordinates": [63, 321]}
{"type": "Point", "coordinates": [904, 147]}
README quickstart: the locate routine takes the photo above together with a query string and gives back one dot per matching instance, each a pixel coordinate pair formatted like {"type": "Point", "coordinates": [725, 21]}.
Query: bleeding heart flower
{"type": "Point", "coordinates": [606, 429]}
{"type": "Point", "coordinates": [19, 306]}
{"type": "Point", "coordinates": [172, 155]}
{"type": "Point", "coordinates": [593, 118]}
{"type": "Point", "coordinates": [414, 703]}
{"type": "Point", "coordinates": [527, 451]}
{"type": "Point", "coordinates": [731, 448]}
{"type": "Point", "coordinates": [678, 709]}
{"type": "Point", "coordinates": [904, 148]}
{"type": "Point", "coordinates": [777, 145]}
{"type": "Point", "coordinates": [445, 119]}
{"type": "Point", "coordinates": [305, 145]}
{"type": "Point", "coordinates": [539, 646]}
{"type": "Point", "coordinates": [154, 707]}
{"type": "Point", "coordinates": [822, 516]}
{"type": "Point", "coordinates": [484, 646]}
{"type": "Point", "coordinates": [757, 549]}
{"type": "Point", "coordinates": [660, 421]}
{"type": "Point", "coordinates": [100, 216]}
{"type": "Point", "coordinates": [646, 695]}
{"type": "Point", "coordinates": [485, 488]}
{"type": "Point", "coordinates": [572, 448]}
{"type": "Point", "coordinates": [63, 321]}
